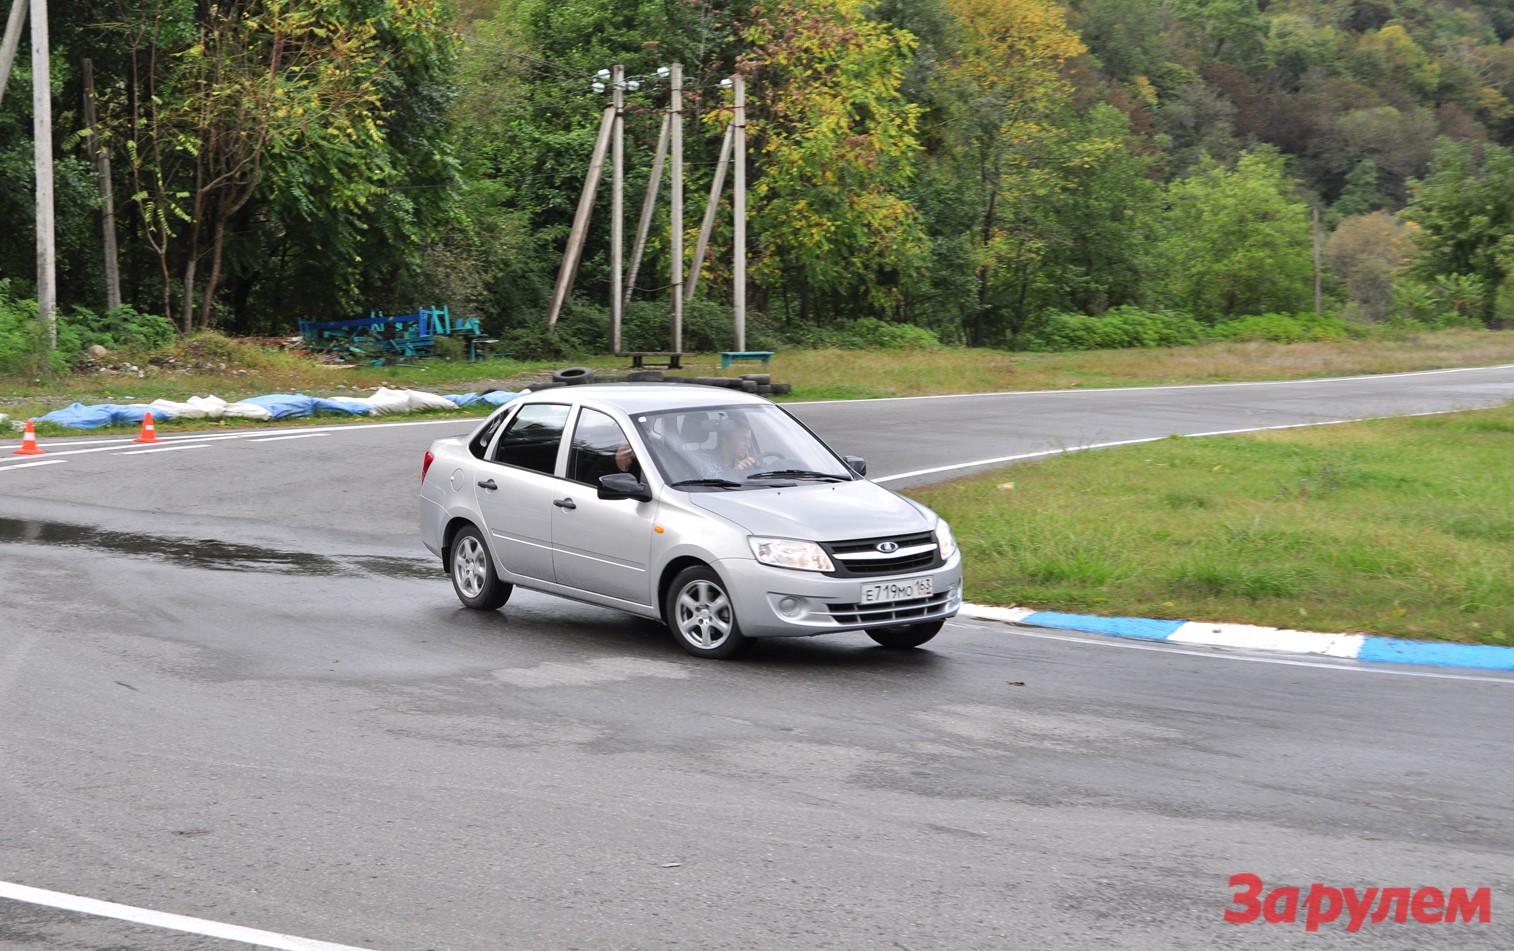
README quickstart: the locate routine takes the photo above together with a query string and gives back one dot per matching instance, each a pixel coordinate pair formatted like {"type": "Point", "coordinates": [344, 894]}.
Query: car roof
{"type": "Point", "coordinates": [644, 397]}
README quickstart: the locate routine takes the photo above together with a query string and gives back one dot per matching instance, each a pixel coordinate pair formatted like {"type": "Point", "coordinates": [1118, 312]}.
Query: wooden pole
{"type": "Point", "coordinates": [580, 230]}
{"type": "Point", "coordinates": [617, 203]}
{"type": "Point", "coordinates": [42, 129]}
{"type": "Point", "coordinates": [107, 195]}
{"type": "Point", "coordinates": [1317, 296]}
{"type": "Point", "coordinates": [12, 40]}
{"type": "Point", "coordinates": [738, 201]}
{"type": "Point", "coordinates": [676, 244]}
{"type": "Point", "coordinates": [648, 205]}
{"type": "Point", "coordinates": [702, 246]}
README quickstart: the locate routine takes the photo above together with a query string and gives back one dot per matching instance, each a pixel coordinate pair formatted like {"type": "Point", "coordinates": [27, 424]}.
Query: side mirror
{"type": "Point", "coordinates": [858, 464]}
{"type": "Point", "coordinates": [623, 485]}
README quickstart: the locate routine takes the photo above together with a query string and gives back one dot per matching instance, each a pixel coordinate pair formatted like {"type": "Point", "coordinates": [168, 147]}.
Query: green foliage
{"type": "Point", "coordinates": [866, 333]}
{"type": "Point", "coordinates": [1118, 329]}
{"type": "Point", "coordinates": [840, 143]}
{"type": "Point", "coordinates": [1282, 328]}
{"type": "Point", "coordinates": [22, 348]}
{"type": "Point", "coordinates": [1465, 210]}
{"type": "Point", "coordinates": [1237, 242]}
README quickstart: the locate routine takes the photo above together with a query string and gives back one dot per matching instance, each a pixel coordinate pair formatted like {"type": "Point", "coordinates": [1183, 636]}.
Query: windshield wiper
{"type": "Point", "coordinates": [713, 483]}
{"type": "Point", "coordinates": [797, 474]}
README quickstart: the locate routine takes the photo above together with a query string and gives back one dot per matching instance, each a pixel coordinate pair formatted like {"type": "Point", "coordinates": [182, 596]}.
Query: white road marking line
{"type": "Point", "coordinates": [1001, 460]}
{"type": "Point", "coordinates": [28, 465]}
{"type": "Point", "coordinates": [1172, 386]}
{"type": "Point", "coordinates": [295, 436]}
{"type": "Point", "coordinates": [138, 452]}
{"type": "Point", "coordinates": [171, 922]}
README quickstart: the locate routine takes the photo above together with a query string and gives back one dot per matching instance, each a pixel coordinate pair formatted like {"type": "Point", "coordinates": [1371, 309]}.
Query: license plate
{"type": "Point", "coordinates": [896, 590]}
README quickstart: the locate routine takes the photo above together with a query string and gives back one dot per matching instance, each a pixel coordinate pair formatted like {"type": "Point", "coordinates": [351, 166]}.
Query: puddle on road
{"type": "Point", "coordinates": [210, 553]}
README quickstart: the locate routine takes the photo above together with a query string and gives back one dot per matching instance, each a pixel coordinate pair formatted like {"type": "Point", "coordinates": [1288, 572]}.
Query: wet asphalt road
{"type": "Point", "coordinates": [232, 686]}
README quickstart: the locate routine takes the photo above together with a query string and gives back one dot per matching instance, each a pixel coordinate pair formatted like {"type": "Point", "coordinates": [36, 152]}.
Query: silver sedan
{"type": "Point", "coordinates": [714, 511]}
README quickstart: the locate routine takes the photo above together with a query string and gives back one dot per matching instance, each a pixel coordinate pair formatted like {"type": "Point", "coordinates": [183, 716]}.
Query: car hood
{"type": "Point", "coordinates": [820, 511]}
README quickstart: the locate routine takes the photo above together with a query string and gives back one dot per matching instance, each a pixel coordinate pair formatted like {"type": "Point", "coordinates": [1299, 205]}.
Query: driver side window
{"type": "Point", "coordinates": [600, 448]}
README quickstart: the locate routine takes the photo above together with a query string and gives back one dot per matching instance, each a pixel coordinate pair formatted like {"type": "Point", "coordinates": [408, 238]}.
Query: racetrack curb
{"type": "Point", "coordinates": [1362, 647]}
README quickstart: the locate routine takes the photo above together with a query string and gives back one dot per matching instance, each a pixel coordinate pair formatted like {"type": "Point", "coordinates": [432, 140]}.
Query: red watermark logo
{"type": "Point", "coordinates": [1322, 904]}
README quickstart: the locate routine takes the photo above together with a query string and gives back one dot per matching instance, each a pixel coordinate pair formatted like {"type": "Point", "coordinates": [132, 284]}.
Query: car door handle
{"type": "Point", "coordinates": [564, 503]}
{"type": "Point", "coordinates": [488, 484]}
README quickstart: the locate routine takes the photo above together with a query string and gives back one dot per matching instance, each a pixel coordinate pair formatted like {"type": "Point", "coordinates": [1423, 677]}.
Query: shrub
{"type": "Point", "coordinates": [865, 333]}
{"type": "Point", "coordinates": [1281, 328]}
{"type": "Point", "coordinates": [1121, 328]}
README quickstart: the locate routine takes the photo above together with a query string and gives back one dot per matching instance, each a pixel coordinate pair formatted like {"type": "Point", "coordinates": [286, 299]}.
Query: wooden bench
{"type": "Point", "coordinates": [727, 357]}
{"type": "Point", "coordinates": [640, 359]}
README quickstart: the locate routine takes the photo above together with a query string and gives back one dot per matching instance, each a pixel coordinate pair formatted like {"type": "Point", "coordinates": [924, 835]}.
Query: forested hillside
{"type": "Point", "coordinates": [981, 169]}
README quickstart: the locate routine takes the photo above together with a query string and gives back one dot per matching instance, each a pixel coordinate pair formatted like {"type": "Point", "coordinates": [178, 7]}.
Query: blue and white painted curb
{"type": "Point", "coordinates": [1363, 647]}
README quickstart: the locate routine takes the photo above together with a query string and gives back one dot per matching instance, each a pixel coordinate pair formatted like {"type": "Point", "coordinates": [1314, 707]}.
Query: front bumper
{"type": "Point", "coordinates": [781, 602]}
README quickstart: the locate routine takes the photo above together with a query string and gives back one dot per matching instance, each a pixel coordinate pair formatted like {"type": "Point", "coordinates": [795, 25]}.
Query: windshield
{"type": "Point", "coordinates": [736, 447]}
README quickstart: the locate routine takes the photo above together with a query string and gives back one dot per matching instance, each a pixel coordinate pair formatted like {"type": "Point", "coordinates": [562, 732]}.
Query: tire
{"type": "Point", "coordinates": [573, 375]}
{"type": "Point", "coordinates": [781, 389]}
{"type": "Point", "coordinates": [698, 611]}
{"type": "Point", "coordinates": [758, 377]}
{"type": "Point", "coordinates": [473, 575]}
{"type": "Point", "coordinates": [644, 376]}
{"type": "Point", "coordinates": [904, 638]}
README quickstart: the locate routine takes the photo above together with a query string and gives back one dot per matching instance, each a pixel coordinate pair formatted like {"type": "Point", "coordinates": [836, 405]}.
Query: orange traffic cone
{"type": "Point", "coordinates": [29, 443]}
{"type": "Point", "coordinates": [149, 434]}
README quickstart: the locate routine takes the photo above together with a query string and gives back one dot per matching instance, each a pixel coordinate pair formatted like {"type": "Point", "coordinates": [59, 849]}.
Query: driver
{"type": "Point", "coordinates": [735, 449]}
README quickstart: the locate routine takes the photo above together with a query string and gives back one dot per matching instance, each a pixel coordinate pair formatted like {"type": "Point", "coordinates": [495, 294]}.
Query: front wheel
{"type": "Point", "coordinates": [701, 617]}
{"type": "Point", "coordinates": [473, 575]}
{"type": "Point", "coordinates": [904, 638]}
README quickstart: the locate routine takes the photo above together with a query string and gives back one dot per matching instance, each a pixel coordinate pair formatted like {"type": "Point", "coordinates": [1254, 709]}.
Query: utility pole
{"type": "Point", "coordinates": [576, 237]}
{"type": "Point", "coordinates": [42, 129]}
{"type": "Point", "coordinates": [1317, 295]}
{"type": "Point", "coordinates": [708, 225]}
{"type": "Point", "coordinates": [648, 205]}
{"type": "Point", "coordinates": [738, 202]}
{"type": "Point", "coordinates": [11, 42]}
{"type": "Point", "coordinates": [676, 244]}
{"type": "Point", "coordinates": [617, 202]}
{"type": "Point", "coordinates": [107, 197]}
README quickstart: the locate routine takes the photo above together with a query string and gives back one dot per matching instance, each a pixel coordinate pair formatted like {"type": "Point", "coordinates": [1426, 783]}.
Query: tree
{"type": "Point", "coordinates": [1364, 254]}
{"type": "Point", "coordinates": [1465, 212]}
{"type": "Point", "coordinates": [836, 145]}
{"type": "Point", "coordinates": [1237, 242]}
{"type": "Point", "coordinates": [1008, 103]}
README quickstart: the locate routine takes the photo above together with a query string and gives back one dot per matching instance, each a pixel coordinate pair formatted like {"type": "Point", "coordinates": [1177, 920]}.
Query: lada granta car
{"type": "Point", "coordinates": [714, 511]}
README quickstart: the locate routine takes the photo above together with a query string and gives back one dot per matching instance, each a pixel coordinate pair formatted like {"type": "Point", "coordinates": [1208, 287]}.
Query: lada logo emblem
{"type": "Point", "coordinates": [888, 548]}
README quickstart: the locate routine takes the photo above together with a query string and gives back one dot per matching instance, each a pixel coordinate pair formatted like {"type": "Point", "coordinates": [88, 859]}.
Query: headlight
{"type": "Point", "coordinates": [791, 553]}
{"type": "Point", "coordinates": [944, 539]}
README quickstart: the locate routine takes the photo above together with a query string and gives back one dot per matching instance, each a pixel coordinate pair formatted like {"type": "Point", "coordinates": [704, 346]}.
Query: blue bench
{"type": "Point", "coordinates": [727, 357]}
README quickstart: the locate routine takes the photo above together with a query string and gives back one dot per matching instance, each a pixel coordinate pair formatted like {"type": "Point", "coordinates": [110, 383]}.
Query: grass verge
{"type": "Point", "coordinates": [1394, 527]}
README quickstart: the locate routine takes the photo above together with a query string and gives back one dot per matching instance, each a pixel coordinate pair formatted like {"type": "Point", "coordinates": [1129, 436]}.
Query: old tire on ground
{"type": "Point", "coordinates": [758, 377]}
{"type": "Point", "coordinates": [644, 376]}
{"type": "Point", "coordinates": [904, 638]}
{"type": "Point", "coordinates": [699, 613]}
{"type": "Point", "coordinates": [573, 375]}
{"type": "Point", "coordinates": [780, 389]}
{"type": "Point", "coordinates": [473, 575]}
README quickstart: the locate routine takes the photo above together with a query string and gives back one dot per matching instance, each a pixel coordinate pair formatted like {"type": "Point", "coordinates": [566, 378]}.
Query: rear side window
{"type": "Point", "coordinates": [532, 438]}
{"type": "Point", "coordinates": [479, 444]}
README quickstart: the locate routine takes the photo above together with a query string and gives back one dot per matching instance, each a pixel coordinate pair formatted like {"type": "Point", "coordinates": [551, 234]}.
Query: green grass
{"type": "Point", "coordinates": [1396, 527]}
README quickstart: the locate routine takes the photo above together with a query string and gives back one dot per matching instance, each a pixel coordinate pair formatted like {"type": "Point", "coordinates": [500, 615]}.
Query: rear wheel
{"type": "Point", "coordinates": [701, 617]}
{"type": "Point", "coordinates": [473, 575]}
{"type": "Point", "coordinates": [903, 638]}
